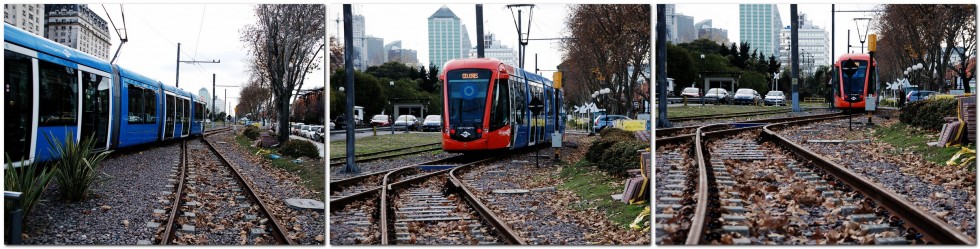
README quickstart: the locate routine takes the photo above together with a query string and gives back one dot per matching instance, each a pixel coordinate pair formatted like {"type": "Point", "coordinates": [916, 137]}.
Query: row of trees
{"type": "Point", "coordinates": [610, 49]}
{"type": "Point", "coordinates": [929, 34]}
{"type": "Point", "coordinates": [686, 66]}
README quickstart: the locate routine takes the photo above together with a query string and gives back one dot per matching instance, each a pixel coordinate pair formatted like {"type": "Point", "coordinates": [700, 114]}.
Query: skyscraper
{"type": "Point", "coordinates": [759, 25]}
{"type": "Point", "coordinates": [360, 51]}
{"type": "Point", "coordinates": [671, 24]}
{"type": "Point", "coordinates": [685, 28]}
{"type": "Point", "coordinates": [467, 45]}
{"type": "Point", "coordinates": [706, 31]}
{"type": "Point", "coordinates": [445, 37]}
{"type": "Point", "coordinates": [374, 48]}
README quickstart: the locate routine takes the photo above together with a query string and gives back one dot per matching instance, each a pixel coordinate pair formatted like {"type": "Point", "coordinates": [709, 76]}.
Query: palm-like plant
{"type": "Point", "coordinates": [78, 167]}
{"type": "Point", "coordinates": [29, 180]}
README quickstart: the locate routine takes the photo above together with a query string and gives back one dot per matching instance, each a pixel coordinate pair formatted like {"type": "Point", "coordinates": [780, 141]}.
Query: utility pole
{"type": "Point", "coordinates": [522, 38]}
{"type": "Point", "coordinates": [662, 121]}
{"type": "Point", "coordinates": [349, 75]}
{"type": "Point", "coordinates": [479, 31]}
{"type": "Point", "coordinates": [177, 83]}
{"type": "Point", "coordinates": [794, 50]}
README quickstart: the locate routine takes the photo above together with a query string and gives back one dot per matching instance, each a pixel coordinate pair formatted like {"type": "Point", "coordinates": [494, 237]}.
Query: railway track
{"type": "Point", "coordinates": [213, 204]}
{"type": "Point", "coordinates": [367, 157]}
{"type": "Point", "coordinates": [410, 204]}
{"type": "Point", "coordinates": [781, 193]}
{"type": "Point", "coordinates": [728, 115]}
{"type": "Point", "coordinates": [688, 131]}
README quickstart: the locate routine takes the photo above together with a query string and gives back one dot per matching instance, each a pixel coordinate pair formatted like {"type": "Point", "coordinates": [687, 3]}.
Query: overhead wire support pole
{"type": "Point", "coordinates": [662, 121]}
{"type": "Point", "coordinates": [177, 82]}
{"type": "Point", "coordinates": [794, 51]}
{"type": "Point", "coordinates": [522, 37]}
{"type": "Point", "coordinates": [479, 31]}
{"type": "Point", "coordinates": [350, 167]}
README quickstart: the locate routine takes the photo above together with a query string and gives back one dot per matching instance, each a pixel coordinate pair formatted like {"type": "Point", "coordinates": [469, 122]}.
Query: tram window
{"type": "Point", "coordinates": [150, 110]}
{"type": "Point", "coordinates": [135, 105]}
{"type": "Point", "coordinates": [187, 111]}
{"type": "Point", "coordinates": [501, 105]}
{"type": "Point", "coordinates": [198, 113]}
{"type": "Point", "coordinates": [18, 79]}
{"type": "Point", "coordinates": [59, 103]}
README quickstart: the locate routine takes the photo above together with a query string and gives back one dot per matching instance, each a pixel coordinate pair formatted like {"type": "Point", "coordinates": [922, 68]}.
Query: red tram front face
{"type": "Point", "coordinates": [852, 91]}
{"type": "Point", "coordinates": [465, 109]}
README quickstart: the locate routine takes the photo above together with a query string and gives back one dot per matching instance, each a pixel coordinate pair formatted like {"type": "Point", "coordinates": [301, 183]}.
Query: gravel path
{"type": "Point", "coordinates": [948, 192]}
{"type": "Point", "coordinates": [305, 227]}
{"type": "Point", "coordinates": [748, 118]}
{"type": "Point", "coordinates": [118, 211]}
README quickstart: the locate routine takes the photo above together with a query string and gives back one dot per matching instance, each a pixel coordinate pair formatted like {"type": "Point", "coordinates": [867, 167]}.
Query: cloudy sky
{"type": "Point", "coordinates": [206, 32]}
{"type": "Point", "coordinates": [726, 16]}
{"type": "Point", "coordinates": [409, 23]}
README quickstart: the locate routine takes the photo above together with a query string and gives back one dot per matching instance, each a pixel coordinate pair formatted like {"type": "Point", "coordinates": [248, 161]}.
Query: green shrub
{"type": "Point", "coordinates": [622, 156]}
{"type": "Point", "coordinates": [252, 132]}
{"type": "Point", "coordinates": [30, 180]}
{"type": "Point", "coordinates": [77, 169]}
{"type": "Point", "coordinates": [594, 154]}
{"type": "Point", "coordinates": [929, 113]}
{"type": "Point", "coordinates": [616, 133]}
{"type": "Point", "coordinates": [299, 148]}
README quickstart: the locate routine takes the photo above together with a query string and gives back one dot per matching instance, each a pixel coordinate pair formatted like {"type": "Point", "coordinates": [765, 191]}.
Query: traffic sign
{"type": "Point", "coordinates": [849, 67]}
{"type": "Point", "coordinates": [535, 106]}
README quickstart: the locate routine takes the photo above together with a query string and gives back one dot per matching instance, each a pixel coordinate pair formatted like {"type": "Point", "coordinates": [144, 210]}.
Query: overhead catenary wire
{"type": "Point", "coordinates": [200, 28]}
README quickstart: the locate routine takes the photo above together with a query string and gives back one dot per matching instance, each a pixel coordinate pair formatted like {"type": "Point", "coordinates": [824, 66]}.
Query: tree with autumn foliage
{"type": "Point", "coordinates": [609, 42]}
{"type": "Point", "coordinates": [284, 45]}
{"type": "Point", "coordinates": [927, 34]}
{"type": "Point", "coordinates": [308, 107]}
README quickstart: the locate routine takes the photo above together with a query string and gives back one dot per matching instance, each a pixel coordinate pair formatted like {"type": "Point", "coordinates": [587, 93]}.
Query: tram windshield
{"type": "Point", "coordinates": [855, 84]}
{"type": "Point", "coordinates": [467, 90]}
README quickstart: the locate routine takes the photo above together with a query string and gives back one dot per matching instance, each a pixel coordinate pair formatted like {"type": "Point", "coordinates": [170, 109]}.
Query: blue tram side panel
{"type": "Point", "coordinates": [138, 123]}
{"type": "Point", "coordinates": [60, 55]}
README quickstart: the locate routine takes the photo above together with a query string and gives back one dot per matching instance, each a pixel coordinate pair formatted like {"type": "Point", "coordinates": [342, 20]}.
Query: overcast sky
{"type": "Point", "coordinates": [726, 16]}
{"type": "Point", "coordinates": [409, 23]}
{"type": "Point", "coordinates": [206, 32]}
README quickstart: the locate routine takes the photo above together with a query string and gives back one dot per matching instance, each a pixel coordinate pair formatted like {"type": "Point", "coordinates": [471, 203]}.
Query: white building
{"type": "Point", "coordinates": [28, 17]}
{"type": "Point", "coordinates": [77, 26]}
{"type": "Point", "coordinates": [360, 43]}
{"type": "Point", "coordinates": [671, 24]}
{"type": "Point", "coordinates": [493, 48]}
{"type": "Point", "coordinates": [814, 46]}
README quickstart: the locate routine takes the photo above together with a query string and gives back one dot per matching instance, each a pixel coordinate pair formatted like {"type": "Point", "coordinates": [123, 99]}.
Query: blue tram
{"type": "Point", "coordinates": [52, 91]}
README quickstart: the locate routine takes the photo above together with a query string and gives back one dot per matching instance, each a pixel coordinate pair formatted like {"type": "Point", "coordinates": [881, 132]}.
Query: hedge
{"type": "Point", "coordinates": [615, 152]}
{"type": "Point", "coordinates": [929, 113]}
{"type": "Point", "coordinates": [299, 148]}
{"type": "Point", "coordinates": [252, 132]}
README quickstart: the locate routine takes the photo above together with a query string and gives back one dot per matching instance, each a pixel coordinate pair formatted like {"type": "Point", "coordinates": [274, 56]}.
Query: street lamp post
{"type": "Point", "coordinates": [705, 90]}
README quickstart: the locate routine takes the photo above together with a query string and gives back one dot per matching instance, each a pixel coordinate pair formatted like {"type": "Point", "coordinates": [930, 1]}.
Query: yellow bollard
{"type": "Point", "coordinates": [375, 129]}
{"type": "Point", "coordinates": [685, 100]}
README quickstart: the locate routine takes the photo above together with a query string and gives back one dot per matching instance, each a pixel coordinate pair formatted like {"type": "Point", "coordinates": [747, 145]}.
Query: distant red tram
{"type": "Point", "coordinates": [851, 93]}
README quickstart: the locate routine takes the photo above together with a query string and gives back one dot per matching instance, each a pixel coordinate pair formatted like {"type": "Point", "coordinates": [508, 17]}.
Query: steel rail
{"type": "Point", "coordinates": [927, 224]}
{"type": "Point", "coordinates": [700, 211]}
{"type": "Point", "coordinates": [673, 130]}
{"type": "Point", "coordinates": [277, 232]}
{"type": "Point", "coordinates": [169, 233]}
{"type": "Point", "coordinates": [499, 224]}
{"type": "Point", "coordinates": [384, 157]}
{"type": "Point", "coordinates": [385, 151]}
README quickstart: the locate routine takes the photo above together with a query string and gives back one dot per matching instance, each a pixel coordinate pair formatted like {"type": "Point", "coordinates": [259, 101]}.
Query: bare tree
{"type": "Point", "coordinates": [610, 50]}
{"type": "Point", "coordinates": [284, 46]}
{"type": "Point", "coordinates": [927, 34]}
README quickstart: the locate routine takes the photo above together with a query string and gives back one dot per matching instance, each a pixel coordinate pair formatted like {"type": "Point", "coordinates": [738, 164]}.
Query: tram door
{"type": "Point", "coordinates": [168, 130]}
{"type": "Point", "coordinates": [186, 118]}
{"type": "Point", "coordinates": [18, 78]}
{"type": "Point", "coordinates": [95, 108]}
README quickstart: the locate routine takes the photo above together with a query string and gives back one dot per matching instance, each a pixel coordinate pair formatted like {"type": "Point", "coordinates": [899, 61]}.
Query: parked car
{"type": "Point", "coordinates": [304, 131]}
{"type": "Point", "coordinates": [332, 125]}
{"type": "Point", "coordinates": [775, 98]}
{"type": "Point", "coordinates": [319, 134]}
{"type": "Point", "coordinates": [746, 96]}
{"type": "Point", "coordinates": [407, 121]}
{"type": "Point", "coordinates": [295, 128]}
{"type": "Point", "coordinates": [601, 121]}
{"type": "Point", "coordinates": [917, 95]}
{"type": "Point", "coordinates": [717, 95]}
{"type": "Point", "coordinates": [432, 122]}
{"type": "Point", "coordinates": [691, 92]}
{"type": "Point", "coordinates": [380, 120]}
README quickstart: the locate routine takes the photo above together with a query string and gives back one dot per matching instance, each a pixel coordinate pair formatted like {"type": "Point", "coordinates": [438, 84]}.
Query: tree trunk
{"type": "Point", "coordinates": [282, 104]}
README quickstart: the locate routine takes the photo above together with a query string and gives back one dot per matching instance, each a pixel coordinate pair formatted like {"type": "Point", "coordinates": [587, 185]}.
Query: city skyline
{"type": "Point", "coordinates": [411, 27]}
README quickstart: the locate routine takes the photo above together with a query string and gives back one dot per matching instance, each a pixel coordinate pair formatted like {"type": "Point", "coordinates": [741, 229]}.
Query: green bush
{"type": "Point", "coordinates": [929, 113]}
{"type": "Point", "coordinates": [616, 133]}
{"type": "Point", "coordinates": [77, 169]}
{"type": "Point", "coordinates": [594, 154]}
{"type": "Point", "coordinates": [30, 180]}
{"type": "Point", "coordinates": [252, 132]}
{"type": "Point", "coordinates": [299, 148]}
{"type": "Point", "coordinates": [622, 156]}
